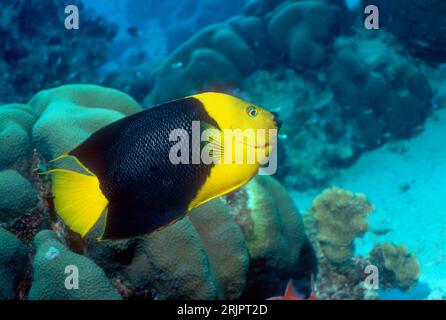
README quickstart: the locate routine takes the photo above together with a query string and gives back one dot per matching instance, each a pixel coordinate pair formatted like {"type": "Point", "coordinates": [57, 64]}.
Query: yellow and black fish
{"type": "Point", "coordinates": [129, 172]}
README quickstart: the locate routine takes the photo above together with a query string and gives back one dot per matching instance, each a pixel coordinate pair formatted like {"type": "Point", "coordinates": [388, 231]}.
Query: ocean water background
{"type": "Point", "coordinates": [363, 110]}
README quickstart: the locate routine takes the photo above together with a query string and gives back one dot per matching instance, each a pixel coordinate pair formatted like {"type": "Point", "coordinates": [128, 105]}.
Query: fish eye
{"type": "Point", "coordinates": [252, 111]}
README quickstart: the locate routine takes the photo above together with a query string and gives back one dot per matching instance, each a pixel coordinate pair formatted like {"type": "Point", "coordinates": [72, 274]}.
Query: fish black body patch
{"type": "Point", "coordinates": [130, 157]}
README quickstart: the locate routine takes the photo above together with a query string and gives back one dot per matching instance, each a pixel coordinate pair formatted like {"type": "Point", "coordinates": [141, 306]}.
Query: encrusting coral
{"type": "Point", "coordinates": [339, 215]}
{"type": "Point", "coordinates": [398, 267]}
{"type": "Point", "coordinates": [49, 278]}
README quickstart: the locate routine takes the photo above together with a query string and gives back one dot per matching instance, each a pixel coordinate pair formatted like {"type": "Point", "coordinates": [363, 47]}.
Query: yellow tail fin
{"type": "Point", "coordinates": [78, 199]}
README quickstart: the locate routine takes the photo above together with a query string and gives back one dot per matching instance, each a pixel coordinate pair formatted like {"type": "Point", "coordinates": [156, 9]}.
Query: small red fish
{"type": "Point", "coordinates": [291, 294]}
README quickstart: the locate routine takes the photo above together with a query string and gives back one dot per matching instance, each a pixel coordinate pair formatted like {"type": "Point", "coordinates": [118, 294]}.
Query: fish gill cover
{"type": "Point", "coordinates": [360, 151]}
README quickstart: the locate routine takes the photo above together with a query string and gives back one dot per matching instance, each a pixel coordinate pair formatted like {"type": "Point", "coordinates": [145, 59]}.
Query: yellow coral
{"type": "Point", "coordinates": [340, 219]}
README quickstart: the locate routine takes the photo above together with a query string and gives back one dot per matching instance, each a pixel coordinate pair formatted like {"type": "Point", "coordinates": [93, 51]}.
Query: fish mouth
{"type": "Point", "coordinates": [266, 145]}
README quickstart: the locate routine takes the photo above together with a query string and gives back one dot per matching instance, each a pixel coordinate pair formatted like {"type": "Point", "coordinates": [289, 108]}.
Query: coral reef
{"type": "Point", "coordinates": [179, 20]}
{"type": "Point", "coordinates": [420, 25]}
{"type": "Point", "coordinates": [49, 278]}
{"type": "Point", "coordinates": [37, 52]}
{"type": "Point", "coordinates": [305, 30]}
{"type": "Point", "coordinates": [333, 222]}
{"type": "Point", "coordinates": [331, 74]}
{"type": "Point", "coordinates": [67, 115]}
{"type": "Point", "coordinates": [339, 215]}
{"type": "Point", "coordinates": [216, 57]}
{"type": "Point", "coordinates": [13, 264]}
{"type": "Point", "coordinates": [226, 249]}
{"type": "Point", "coordinates": [15, 125]}
{"type": "Point", "coordinates": [232, 245]}
{"type": "Point", "coordinates": [17, 195]}
{"type": "Point", "coordinates": [399, 268]}
{"type": "Point", "coordinates": [361, 71]}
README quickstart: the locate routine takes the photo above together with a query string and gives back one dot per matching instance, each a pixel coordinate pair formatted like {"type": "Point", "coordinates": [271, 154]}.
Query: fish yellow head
{"type": "Point", "coordinates": [247, 135]}
{"type": "Point", "coordinates": [253, 128]}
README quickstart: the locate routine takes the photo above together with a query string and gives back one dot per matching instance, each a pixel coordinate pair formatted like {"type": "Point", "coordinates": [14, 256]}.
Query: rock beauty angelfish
{"type": "Point", "coordinates": [129, 171]}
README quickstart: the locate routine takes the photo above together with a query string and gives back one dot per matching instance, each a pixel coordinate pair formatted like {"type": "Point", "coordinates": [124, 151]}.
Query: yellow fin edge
{"type": "Point", "coordinates": [78, 199]}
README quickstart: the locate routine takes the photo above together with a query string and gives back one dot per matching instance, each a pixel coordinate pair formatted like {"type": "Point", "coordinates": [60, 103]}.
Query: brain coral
{"type": "Point", "coordinates": [50, 263]}
{"type": "Point", "coordinates": [16, 121]}
{"type": "Point", "coordinates": [398, 267]}
{"type": "Point", "coordinates": [17, 195]}
{"type": "Point", "coordinates": [13, 264]}
{"type": "Point", "coordinates": [339, 215]}
{"type": "Point", "coordinates": [67, 115]}
{"type": "Point", "coordinates": [247, 244]}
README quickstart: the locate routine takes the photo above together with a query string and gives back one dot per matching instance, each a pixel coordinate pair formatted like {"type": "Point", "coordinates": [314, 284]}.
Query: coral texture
{"type": "Point", "coordinates": [306, 31]}
{"type": "Point", "coordinates": [17, 195]}
{"type": "Point", "coordinates": [13, 264]}
{"type": "Point", "coordinates": [49, 278]}
{"type": "Point", "coordinates": [67, 115]}
{"type": "Point", "coordinates": [340, 219]}
{"type": "Point", "coordinates": [398, 267]}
